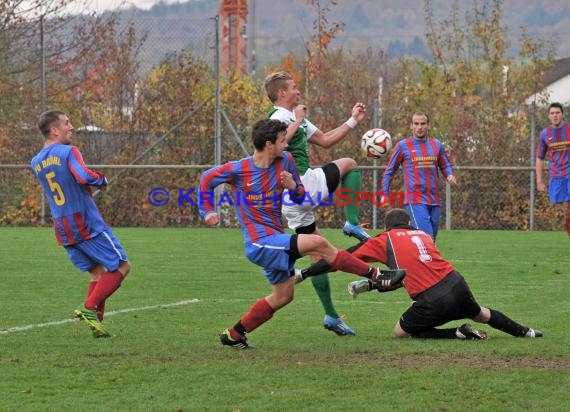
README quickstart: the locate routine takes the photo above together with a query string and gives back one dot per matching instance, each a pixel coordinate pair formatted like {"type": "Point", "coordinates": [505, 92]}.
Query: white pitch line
{"type": "Point", "coordinates": [111, 313]}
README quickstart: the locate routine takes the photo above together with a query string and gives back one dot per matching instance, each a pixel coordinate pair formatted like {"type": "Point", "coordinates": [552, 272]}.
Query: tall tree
{"type": "Point", "coordinates": [475, 91]}
{"type": "Point", "coordinates": [473, 88]}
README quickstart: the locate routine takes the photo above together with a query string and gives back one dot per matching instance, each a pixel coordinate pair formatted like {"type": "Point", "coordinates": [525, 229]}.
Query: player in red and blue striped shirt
{"type": "Point", "coordinates": [257, 193]}
{"type": "Point", "coordinates": [78, 225]}
{"type": "Point", "coordinates": [421, 158]}
{"type": "Point", "coordinates": [258, 184]}
{"type": "Point", "coordinates": [554, 140]}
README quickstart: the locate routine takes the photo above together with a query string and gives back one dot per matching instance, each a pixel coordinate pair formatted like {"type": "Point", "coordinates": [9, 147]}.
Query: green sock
{"type": "Point", "coordinates": [323, 288]}
{"type": "Point", "coordinates": [352, 182]}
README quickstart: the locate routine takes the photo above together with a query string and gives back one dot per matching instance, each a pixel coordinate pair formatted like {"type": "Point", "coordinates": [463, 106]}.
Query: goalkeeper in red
{"type": "Point", "coordinates": [439, 292]}
{"type": "Point", "coordinates": [90, 243]}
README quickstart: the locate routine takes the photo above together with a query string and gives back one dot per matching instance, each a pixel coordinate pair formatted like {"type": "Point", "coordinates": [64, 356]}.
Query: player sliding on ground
{"type": "Point", "coordinates": [439, 292]}
{"type": "Point", "coordinates": [262, 178]}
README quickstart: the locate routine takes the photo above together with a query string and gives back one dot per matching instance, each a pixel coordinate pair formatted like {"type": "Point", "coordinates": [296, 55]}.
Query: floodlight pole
{"type": "Point", "coordinates": [531, 222]}
{"type": "Point", "coordinates": [42, 107]}
{"type": "Point", "coordinates": [218, 111]}
{"type": "Point", "coordinates": [251, 31]}
{"type": "Point", "coordinates": [377, 122]}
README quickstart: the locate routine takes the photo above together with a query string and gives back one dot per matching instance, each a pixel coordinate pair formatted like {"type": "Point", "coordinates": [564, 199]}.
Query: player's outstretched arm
{"type": "Point", "coordinates": [332, 137]}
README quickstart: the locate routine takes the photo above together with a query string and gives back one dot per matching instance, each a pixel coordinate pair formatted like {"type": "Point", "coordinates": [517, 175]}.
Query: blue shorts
{"type": "Point", "coordinates": [425, 218]}
{"type": "Point", "coordinates": [559, 190]}
{"type": "Point", "coordinates": [104, 249]}
{"type": "Point", "coordinates": [272, 254]}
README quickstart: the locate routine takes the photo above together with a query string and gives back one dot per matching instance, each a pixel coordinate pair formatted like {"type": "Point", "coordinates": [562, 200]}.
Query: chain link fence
{"type": "Point", "coordinates": [492, 198]}
{"type": "Point", "coordinates": [499, 198]}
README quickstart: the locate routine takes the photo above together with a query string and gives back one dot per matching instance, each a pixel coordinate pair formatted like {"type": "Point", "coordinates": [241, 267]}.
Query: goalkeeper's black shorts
{"type": "Point", "coordinates": [449, 299]}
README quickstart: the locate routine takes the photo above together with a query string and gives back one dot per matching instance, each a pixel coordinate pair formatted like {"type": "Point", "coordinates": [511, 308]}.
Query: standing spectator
{"type": "Point", "coordinates": [421, 158]}
{"type": "Point", "coordinates": [320, 183]}
{"type": "Point", "coordinates": [554, 140]}
{"type": "Point", "coordinates": [439, 292]}
{"type": "Point", "coordinates": [79, 227]}
{"type": "Point", "coordinates": [258, 183]}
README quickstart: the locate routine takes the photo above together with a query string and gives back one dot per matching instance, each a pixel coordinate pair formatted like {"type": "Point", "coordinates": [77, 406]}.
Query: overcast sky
{"type": "Point", "coordinates": [100, 5]}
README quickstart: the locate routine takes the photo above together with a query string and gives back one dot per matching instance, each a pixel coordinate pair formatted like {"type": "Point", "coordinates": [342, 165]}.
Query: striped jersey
{"type": "Point", "coordinates": [65, 179]}
{"type": "Point", "coordinates": [410, 249]}
{"type": "Point", "coordinates": [298, 145]}
{"type": "Point", "coordinates": [556, 143]}
{"type": "Point", "coordinates": [421, 161]}
{"type": "Point", "coordinates": [257, 194]}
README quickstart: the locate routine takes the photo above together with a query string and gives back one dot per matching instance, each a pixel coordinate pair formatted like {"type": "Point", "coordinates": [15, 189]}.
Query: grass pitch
{"type": "Point", "coordinates": [187, 285]}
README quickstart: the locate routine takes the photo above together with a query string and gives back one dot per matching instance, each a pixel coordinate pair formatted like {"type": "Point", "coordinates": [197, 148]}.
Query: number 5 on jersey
{"type": "Point", "coordinates": [58, 196]}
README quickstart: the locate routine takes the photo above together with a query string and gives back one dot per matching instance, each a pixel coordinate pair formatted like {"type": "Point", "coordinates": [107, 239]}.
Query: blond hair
{"type": "Point", "coordinates": [275, 82]}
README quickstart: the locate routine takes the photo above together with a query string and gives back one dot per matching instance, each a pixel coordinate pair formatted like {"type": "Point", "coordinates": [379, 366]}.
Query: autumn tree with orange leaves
{"type": "Point", "coordinates": [473, 87]}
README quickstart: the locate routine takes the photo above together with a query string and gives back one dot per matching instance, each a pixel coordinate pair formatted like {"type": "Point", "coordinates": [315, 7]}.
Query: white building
{"type": "Point", "coordinates": [557, 85]}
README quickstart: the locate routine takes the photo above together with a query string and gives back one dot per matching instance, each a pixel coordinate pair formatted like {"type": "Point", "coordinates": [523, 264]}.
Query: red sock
{"type": "Point", "coordinates": [347, 263]}
{"type": "Point", "coordinates": [108, 283]}
{"type": "Point", "coordinates": [258, 314]}
{"type": "Point", "coordinates": [91, 287]}
{"type": "Point", "coordinates": [101, 307]}
{"type": "Point", "coordinates": [101, 311]}
{"type": "Point", "coordinates": [568, 226]}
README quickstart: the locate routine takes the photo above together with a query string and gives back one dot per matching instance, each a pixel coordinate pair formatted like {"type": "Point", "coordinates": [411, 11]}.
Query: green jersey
{"type": "Point", "coordinates": [298, 145]}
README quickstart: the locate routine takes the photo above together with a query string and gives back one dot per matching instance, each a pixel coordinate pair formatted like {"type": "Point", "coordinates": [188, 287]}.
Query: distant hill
{"type": "Point", "coordinates": [286, 25]}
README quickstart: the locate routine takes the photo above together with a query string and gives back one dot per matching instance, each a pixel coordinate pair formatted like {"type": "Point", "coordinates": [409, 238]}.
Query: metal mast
{"type": "Point", "coordinates": [233, 16]}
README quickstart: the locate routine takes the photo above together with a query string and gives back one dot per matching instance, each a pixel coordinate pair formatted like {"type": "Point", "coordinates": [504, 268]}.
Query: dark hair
{"type": "Point", "coordinates": [275, 82]}
{"type": "Point", "coordinates": [48, 119]}
{"type": "Point", "coordinates": [420, 114]}
{"type": "Point", "coordinates": [266, 130]}
{"type": "Point", "coordinates": [397, 218]}
{"type": "Point", "coordinates": [556, 104]}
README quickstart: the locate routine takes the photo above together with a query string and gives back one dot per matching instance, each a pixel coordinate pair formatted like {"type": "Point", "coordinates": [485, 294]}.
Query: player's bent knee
{"type": "Point", "coordinates": [345, 165]}
{"type": "Point", "coordinates": [281, 301]}
{"type": "Point", "coordinates": [320, 242]}
{"type": "Point", "coordinates": [399, 332]}
{"type": "Point", "coordinates": [124, 268]}
{"type": "Point", "coordinates": [351, 163]}
{"type": "Point", "coordinates": [324, 242]}
{"type": "Point", "coordinates": [484, 316]}
{"type": "Point", "coordinates": [96, 272]}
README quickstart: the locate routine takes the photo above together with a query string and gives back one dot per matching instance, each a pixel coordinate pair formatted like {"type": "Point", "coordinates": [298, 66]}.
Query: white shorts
{"type": "Point", "coordinates": [316, 193]}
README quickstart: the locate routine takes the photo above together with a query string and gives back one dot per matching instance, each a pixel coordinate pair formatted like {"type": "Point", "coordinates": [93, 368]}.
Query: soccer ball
{"type": "Point", "coordinates": [376, 143]}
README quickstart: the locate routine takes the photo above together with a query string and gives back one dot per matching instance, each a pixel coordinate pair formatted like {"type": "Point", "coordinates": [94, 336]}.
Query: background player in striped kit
{"type": "Point", "coordinates": [263, 178]}
{"type": "Point", "coordinates": [554, 140]}
{"type": "Point", "coordinates": [319, 182]}
{"type": "Point", "coordinates": [421, 158]}
{"type": "Point", "coordinates": [79, 227]}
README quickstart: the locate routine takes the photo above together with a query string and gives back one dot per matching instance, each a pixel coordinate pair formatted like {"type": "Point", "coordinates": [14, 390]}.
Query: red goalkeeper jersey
{"type": "Point", "coordinates": [410, 249]}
